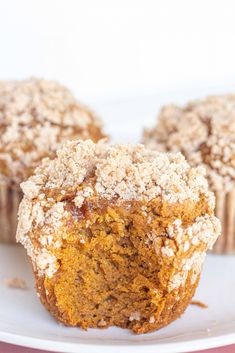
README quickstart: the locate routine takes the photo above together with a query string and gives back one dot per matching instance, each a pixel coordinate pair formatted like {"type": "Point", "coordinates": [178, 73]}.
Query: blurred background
{"type": "Point", "coordinates": [120, 50]}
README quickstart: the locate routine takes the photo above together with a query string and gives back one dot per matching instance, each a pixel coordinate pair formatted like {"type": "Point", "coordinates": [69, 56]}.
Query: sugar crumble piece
{"type": "Point", "coordinates": [135, 316]}
{"type": "Point", "coordinates": [151, 319]}
{"type": "Point", "coordinates": [102, 323]}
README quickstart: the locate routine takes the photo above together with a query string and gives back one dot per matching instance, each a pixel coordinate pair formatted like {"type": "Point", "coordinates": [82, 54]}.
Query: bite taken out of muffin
{"type": "Point", "coordinates": [204, 131]}
{"type": "Point", "coordinates": [116, 234]}
{"type": "Point", "coordinates": [36, 117]}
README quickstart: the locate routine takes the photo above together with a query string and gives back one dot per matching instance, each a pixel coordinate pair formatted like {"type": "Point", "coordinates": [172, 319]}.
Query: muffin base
{"type": "Point", "coordinates": [225, 211]}
{"type": "Point", "coordinates": [9, 202]}
{"type": "Point", "coordinates": [170, 309]}
{"type": "Point", "coordinates": [113, 270]}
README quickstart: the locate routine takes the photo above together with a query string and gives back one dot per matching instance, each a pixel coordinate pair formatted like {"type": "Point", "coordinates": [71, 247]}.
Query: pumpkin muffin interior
{"type": "Point", "coordinates": [111, 278]}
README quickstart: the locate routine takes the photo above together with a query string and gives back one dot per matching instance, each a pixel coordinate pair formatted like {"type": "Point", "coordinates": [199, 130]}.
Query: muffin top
{"type": "Point", "coordinates": [122, 172]}
{"type": "Point", "coordinates": [204, 131]}
{"type": "Point", "coordinates": [36, 116]}
{"type": "Point", "coordinates": [86, 178]}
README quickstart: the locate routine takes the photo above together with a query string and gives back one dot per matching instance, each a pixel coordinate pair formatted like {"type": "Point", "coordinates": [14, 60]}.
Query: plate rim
{"type": "Point", "coordinates": [71, 347]}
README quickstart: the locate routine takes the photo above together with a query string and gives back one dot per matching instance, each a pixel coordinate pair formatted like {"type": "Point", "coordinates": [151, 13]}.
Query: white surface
{"type": "Point", "coordinates": [111, 48]}
{"type": "Point", "coordinates": [24, 321]}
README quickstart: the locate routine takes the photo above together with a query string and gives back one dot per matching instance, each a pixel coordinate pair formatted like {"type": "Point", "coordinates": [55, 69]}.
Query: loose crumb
{"type": "Point", "coordinates": [15, 282]}
{"type": "Point", "coordinates": [200, 304]}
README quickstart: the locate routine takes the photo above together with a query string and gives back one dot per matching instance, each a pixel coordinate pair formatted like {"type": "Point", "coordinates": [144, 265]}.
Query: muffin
{"type": "Point", "coordinates": [36, 116]}
{"type": "Point", "coordinates": [204, 131]}
{"type": "Point", "coordinates": [116, 234]}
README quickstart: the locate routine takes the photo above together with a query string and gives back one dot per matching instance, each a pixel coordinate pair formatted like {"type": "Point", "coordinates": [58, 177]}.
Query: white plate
{"type": "Point", "coordinates": [24, 321]}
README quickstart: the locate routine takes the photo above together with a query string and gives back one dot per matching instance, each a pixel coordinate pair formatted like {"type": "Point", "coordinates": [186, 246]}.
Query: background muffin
{"type": "Point", "coordinates": [204, 131]}
{"type": "Point", "coordinates": [116, 234]}
{"type": "Point", "coordinates": [36, 116]}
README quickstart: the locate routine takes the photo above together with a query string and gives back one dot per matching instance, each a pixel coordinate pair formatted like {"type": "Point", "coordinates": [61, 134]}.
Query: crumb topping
{"type": "Point", "coordinates": [36, 116]}
{"type": "Point", "coordinates": [204, 131]}
{"type": "Point", "coordinates": [87, 171]}
{"type": "Point", "coordinates": [118, 171]}
{"type": "Point", "coordinates": [205, 230]}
